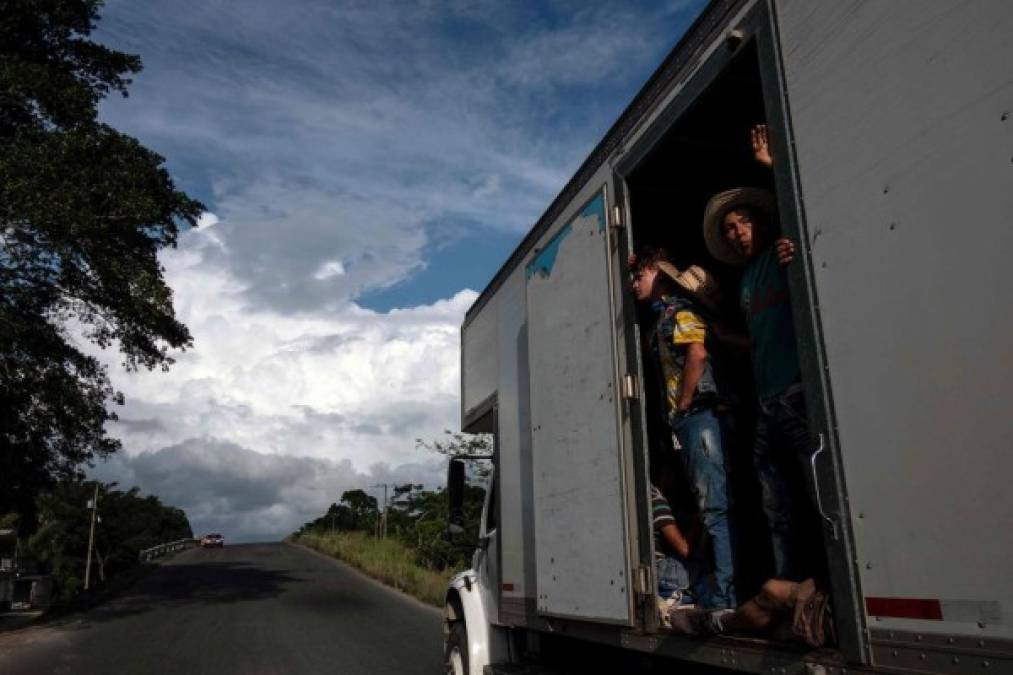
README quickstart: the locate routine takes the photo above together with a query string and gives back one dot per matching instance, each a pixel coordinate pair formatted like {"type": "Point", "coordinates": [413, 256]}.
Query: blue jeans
{"type": "Point", "coordinates": [699, 435]}
{"type": "Point", "coordinates": [673, 576]}
{"type": "Point", "coordinates": [783, 445]}
{"type": "Point", "coordinates": [676, 575]}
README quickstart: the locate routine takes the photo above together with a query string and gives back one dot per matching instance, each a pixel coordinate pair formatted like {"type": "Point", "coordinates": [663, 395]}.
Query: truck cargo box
{"type": "Point", "coordinates": [892, 129]}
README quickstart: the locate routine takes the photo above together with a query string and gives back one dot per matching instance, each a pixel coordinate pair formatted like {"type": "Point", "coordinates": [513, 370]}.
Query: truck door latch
{"type": "Point", "coordinates": [630, 390]}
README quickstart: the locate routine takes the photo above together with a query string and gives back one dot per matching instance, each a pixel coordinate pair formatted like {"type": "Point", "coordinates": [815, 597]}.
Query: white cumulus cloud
{"type": "Point", "coordinates": [331, 268]}
{"type": "Point", "coordinates": [245, 495]}
{"type": "Point", "coordinates": [341, 148]}
{"type": "Point", "coordinates": [327, 393]}
{"type": "Point", "coordinates": [206, 220]}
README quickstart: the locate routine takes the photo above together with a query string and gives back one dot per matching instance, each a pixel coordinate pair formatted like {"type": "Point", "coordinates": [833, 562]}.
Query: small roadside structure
{"type": "Point", "coordinates": [22, 587]}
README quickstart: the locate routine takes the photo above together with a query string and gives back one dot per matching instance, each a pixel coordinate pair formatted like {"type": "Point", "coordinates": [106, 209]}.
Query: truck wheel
{"type": "Point", "coordinates": [456, 649]}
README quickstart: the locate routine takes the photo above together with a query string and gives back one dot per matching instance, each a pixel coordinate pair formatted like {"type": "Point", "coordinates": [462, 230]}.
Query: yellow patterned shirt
{"type": "Point", "coordinates": [679, 324]}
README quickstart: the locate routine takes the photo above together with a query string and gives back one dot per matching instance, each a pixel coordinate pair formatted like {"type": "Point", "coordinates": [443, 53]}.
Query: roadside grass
{"type": "Point", "coordinates": [386, 560]}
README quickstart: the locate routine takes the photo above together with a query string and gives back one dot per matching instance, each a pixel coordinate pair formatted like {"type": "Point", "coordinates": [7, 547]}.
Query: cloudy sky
{"type": "Point", "coordinates": [367, 166]}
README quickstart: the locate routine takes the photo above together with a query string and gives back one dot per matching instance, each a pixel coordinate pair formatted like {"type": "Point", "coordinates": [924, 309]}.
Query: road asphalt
{"type": "Point", "coordinates": [250, 608]}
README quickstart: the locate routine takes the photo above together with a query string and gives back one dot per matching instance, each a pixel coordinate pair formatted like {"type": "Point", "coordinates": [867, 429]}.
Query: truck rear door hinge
{"type": "Point", "coordinates": [630, 389]}
{"type": "Point", "coordinates": [641, 581]}
{"type": "Point", "coordinates": [617, 216]}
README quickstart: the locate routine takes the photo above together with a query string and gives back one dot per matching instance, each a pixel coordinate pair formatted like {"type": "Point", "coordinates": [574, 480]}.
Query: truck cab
{"type": "Point", "coordinates": [472, 641]}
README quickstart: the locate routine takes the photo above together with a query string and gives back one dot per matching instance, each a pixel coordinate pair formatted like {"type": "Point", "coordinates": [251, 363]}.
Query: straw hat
{"type": "Point", "coordinates": [719, 206]}
{"type": "Point", "coordinates": [696, 281]}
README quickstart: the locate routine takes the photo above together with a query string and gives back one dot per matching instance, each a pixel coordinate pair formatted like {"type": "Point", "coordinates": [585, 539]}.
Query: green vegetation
{"type": "Point", "coordinates": [84, 212]}
{"type": "Point", "coordinates": [388, 560]}
{"type": "Point", "coordinates": [127, 523]}
{"type": "Point", "coordinates": [415, 556]}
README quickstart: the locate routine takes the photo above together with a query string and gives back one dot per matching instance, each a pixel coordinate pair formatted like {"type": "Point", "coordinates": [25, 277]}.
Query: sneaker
{"type": "Point", "coordinates": [715, 620]}
{"type": "Point", "coordinates": [664, 607]}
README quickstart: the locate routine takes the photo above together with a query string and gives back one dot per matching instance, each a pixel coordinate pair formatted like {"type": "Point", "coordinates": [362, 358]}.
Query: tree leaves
{"type": "Point", "coordinates": [84, 212]}
{"type": "Point", "coordinates": [129, 523]}
{"type": "Point", "coordinates": [416, 516]}
{"type": "Point", "coordinates": [52, 76]}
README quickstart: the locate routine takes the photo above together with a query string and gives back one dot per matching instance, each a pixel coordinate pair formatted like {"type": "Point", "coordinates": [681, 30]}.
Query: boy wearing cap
{"type": "Point", "coordinates": [689, 394]}
{"type": "Point", "coordinates": [740, 229]}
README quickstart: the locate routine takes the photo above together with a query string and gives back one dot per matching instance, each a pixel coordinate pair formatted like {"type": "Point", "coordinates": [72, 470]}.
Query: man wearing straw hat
{"type": "Point", "coordinates": [690, 393]}
{"type": "Point", "coordinates": [740, 229]}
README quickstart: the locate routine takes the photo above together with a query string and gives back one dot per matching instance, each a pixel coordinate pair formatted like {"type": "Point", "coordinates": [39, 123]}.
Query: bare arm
{"type": "Point", "coordinates": [675, 539]}
{"type": "Point", "coordinates": [760, 141]}
{"type": "Point", "coordinates": [696, 359]}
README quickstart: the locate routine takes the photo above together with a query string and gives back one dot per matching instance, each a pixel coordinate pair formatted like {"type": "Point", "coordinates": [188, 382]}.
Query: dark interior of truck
{"type": "Point", "coordinates": [706, 151]}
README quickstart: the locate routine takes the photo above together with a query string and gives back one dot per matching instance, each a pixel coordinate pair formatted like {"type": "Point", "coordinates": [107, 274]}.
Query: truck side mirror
{"type": "Point", "coordinates": [455, 498]}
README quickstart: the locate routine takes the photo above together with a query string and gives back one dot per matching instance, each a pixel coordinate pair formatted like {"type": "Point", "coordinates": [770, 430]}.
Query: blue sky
{"type": "Point", "coordinates": [367, 167]}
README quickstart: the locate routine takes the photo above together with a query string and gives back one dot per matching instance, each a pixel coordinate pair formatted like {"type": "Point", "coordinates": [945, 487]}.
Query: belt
{"type": "Point", "coordinates": [694, 409]}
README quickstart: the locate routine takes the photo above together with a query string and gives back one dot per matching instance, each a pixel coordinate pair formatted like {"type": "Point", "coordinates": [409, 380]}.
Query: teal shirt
{"type": "Point", "coordinates": [767, 306]}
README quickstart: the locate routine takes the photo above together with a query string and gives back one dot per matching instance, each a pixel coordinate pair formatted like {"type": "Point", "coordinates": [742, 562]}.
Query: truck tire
{"type": "Point", "coordinates": [455, 653]}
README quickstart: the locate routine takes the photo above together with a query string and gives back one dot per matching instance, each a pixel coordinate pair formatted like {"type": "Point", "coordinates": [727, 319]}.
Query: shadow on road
{"type": "Point", "coordinates": [249, 608]}
{"type": "Point", "coordinates": [197, 583]}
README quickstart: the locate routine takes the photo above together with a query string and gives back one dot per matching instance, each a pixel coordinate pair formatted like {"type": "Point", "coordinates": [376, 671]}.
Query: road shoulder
{"type": "Point", "coordinates": [410, 599]}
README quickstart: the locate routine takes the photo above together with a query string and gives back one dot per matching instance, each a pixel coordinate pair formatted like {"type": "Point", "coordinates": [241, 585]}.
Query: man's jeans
{"type": "Point", "coordinates": [685, 577]}
{"type": "Point", "coordinates": [673, 576]}
{"type": "Point", "coordinates": [783, 445]}
{"type": "Point", "coordinates": [702, 452]}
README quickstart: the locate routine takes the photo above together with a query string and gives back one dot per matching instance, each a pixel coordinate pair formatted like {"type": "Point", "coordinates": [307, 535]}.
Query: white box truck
{"type": "Point", "coordinates": [891, 123]}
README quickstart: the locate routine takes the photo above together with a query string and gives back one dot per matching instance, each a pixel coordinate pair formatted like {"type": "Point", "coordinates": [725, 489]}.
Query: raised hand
{"type": "Point", "coordinates": [761, 145]}
{"type": "Point", "coordinates": [785, 250]}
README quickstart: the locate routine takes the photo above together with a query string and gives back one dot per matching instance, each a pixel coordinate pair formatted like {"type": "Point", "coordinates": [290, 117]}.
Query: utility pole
{"type": "Point", "coordinates": [91, 537]}
{"type": "Point", "coordinates": [382, 525]}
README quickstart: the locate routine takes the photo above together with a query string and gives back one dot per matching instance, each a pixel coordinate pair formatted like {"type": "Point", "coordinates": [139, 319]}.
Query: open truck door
{"type": "Point", "coordinates": [580, 495]}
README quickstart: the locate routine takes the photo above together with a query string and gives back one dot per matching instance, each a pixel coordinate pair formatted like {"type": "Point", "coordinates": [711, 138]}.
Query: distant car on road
{"type": "Point", "coordinates": [212, 540]}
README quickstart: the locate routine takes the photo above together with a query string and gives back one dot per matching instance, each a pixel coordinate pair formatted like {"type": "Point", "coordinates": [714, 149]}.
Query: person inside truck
{"type": "Point", "coordinates": [677, 301]}
{"type": "Point", "coordinates": [677, 559]}
{"type": "Point", "coordinates": [740, 229]}
{"type": "Point", "coordinates": [783, 610]}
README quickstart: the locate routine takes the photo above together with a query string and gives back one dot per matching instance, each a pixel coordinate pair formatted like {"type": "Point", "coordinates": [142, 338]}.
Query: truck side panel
{"type": "Point", "coordinates": [479, 363]}
{"type": "Point", "coordinates": [514, 421]}
{"type": "Point", "coordinates": [581, 538]}
{"type": "Point", "coordinates": [902, 117]}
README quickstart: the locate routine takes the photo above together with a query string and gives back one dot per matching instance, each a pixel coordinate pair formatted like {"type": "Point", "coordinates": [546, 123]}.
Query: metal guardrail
{"type": "Point", "coordinates": [170, 547]}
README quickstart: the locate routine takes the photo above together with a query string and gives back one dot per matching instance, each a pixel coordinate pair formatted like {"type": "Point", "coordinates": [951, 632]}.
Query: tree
{"type": "Point", "coordinates": [418, 517]}
{"type": "Point", "coordinates": [362, 508]}
{"type": "Point", "coordinates": [84, 212]}
{"type": "Point", "coordinates": [402, 493]}
{"type": "Point", "coordinates": [129, 524]}
{"type": "Point", "coordinates": [456, 444]}
{"type": "Point", "coordinates": [420, 522]}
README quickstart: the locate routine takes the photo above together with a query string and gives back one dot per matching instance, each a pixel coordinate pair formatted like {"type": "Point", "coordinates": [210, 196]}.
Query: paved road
{"type": "Point", "coordinates": [252, 609]}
